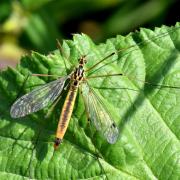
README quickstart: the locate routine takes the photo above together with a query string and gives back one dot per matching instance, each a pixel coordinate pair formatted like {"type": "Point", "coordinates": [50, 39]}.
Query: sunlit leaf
{"type": "Point", "coordinates": [147, 116]}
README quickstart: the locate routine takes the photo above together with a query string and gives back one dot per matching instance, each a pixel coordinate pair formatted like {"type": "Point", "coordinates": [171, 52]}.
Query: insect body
{"type": "Point", "coordinates": [76, 79]}
{"type": "Point", "coordinates": [48, 93]}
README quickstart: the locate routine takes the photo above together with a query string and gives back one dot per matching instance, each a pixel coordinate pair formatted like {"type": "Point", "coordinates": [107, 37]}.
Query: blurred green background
{"type": "Point", "coordinates": [35, 25]}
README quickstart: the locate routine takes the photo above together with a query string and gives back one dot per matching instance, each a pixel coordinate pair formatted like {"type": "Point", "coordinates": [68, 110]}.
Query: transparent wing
{"type": "Point", "coordinates": [99, 114]}
{"type": "Point", "coordinates": [38, 98]}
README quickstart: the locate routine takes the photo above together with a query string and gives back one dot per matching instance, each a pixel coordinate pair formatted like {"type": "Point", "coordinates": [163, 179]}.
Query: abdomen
{"type": "Point", "coordinates": [66, 114]}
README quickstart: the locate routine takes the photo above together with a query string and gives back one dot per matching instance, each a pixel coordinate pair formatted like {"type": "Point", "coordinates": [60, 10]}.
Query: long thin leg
{"type": "Point", "coordinates": [92, 67]}
{"type": "Point", "coordinates": [130, 77]}
{"type": "Point", "coordinates": [129, 47]}
{"type": "Point", "coordinates": [45, 75]}
{"type": "Point", "coordinates": [104, 75]}
{"type": "Point", "coordinates": [63, 54]}
{"type": "Point", "coordinates": [52, 107]}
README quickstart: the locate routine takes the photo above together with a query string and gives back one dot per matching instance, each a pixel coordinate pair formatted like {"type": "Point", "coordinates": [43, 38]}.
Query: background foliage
{"type": "Point", "coordinates": [34, 25]}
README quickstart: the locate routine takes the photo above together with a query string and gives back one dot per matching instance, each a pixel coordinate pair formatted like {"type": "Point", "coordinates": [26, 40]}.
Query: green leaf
{"type": "Point", "coordinates": [148, 116]}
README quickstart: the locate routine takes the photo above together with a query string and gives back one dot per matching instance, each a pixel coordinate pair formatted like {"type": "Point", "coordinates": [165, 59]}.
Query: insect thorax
{"type": "Point", "coordinates": [78, 74]}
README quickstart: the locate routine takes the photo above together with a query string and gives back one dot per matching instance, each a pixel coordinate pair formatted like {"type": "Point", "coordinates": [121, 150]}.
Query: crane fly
{"type": "Point", "coordinates": [48, 93]}
{"type": "Point", "coordinates": [43, 95]}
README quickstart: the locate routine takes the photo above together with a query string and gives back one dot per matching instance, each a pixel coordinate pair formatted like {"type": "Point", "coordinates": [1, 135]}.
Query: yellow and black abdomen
{"type": "Point", "coordinates": [66, 114]}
